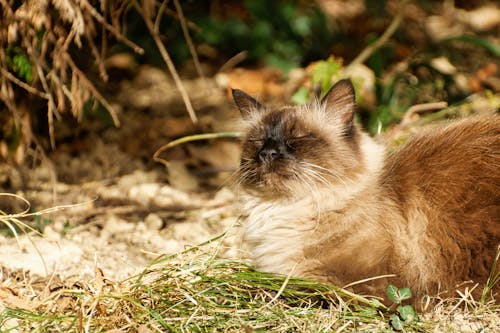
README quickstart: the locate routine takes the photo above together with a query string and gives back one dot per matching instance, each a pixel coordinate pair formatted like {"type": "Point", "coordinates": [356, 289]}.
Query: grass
{"type": "Point", "coordinates": [196, 292]}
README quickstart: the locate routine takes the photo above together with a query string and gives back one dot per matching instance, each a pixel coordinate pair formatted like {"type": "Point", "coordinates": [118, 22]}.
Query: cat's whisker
{"type": "Point", "coordinates": [314, 192]}
{"type": "Point", "coordinates": [316, 177]}
{"type": "Point", "coordinates": [323, 172]}
{"type": "Point", "coordinates": [327, 173]}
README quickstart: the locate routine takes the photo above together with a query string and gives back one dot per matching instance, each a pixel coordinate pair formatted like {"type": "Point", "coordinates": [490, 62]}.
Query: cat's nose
{"type": "Point", "coordinates": [268, 154]}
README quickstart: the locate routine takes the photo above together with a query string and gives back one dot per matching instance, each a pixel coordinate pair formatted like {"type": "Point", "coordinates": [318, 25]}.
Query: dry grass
{"type": "Point", "coordinates": [37, 39]}
{"type": "Point", "coordinates": [45, 47]}
{"type": "Point", "coordinates": [194, 291]}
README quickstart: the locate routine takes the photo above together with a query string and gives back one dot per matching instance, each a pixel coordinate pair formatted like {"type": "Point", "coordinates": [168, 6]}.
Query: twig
{"type": "Point", "coordinates": [159, 14]}
{"type": "Point", "coordinates": [5, 216]}
{"type": "Point", "coordinates": [97, 55]}
{"type": "Point", "coordinates": [51, 107]}
{"type": "Point", "coordinates": [23, 85]}
{"type": "Point", "coordinates": [370, 49]}
{"type": "Point", "coordinates": [118, 35]}
{"type": "Point", "coordinates": [421, 108]}
{"type": "Point", "coordinates": [368, 280]}
{"type": "Point", "coordinates": [93, 90]}
{"type": "Point", "coordinates": [163, 8]}
{"type": "Point", "coordinates": [104, 41]}
{"type": "Point", "coordinates": [166, 57]}
{"type": "Point", "coordinates": [188, 39]}
{"type": "Point", "coordinates": [233, 61]}
{"type": "Point", "coordinates": [8, 101]}
{"type": "Point", "coordinates": [190, 138]}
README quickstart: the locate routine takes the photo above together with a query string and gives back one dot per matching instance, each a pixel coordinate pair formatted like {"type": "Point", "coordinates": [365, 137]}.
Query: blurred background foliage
{"type": "Point", "coordinates": [321, 37]}
{"type": "Point", "coordinates": [291, 34]}
{"type": "Point", "coordinates": [283, 34]}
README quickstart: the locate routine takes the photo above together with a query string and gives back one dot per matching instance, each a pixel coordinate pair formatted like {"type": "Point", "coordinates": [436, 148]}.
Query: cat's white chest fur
{"type": "Point", "coordinates": [274, 233]}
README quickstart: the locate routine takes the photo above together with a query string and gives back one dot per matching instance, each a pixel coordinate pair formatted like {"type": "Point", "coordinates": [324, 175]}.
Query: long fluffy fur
{"type": "Point", "coordinates": [428, 213]}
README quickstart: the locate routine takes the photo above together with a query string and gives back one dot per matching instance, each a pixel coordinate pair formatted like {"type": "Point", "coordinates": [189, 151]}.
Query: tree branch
{"type": "Point", "coordinates": [372, 48]}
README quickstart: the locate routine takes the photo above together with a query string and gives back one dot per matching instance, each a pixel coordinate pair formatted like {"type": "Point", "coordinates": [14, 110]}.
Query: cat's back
{"type": "Point", "coordinates": [446, 182]}
{"type": "Point", "coordinates": [453, 164]}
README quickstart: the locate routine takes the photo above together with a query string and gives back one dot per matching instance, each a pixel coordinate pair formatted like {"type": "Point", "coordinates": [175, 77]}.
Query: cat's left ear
{"type": "Point", "coordinates": [340, 101]}
{"type": "Point", "coordinates": [246, 103]}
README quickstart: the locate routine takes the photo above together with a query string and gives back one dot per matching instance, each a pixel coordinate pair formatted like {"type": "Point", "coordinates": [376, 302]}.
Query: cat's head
{"type": "Point", "coordinates": [294, 150]}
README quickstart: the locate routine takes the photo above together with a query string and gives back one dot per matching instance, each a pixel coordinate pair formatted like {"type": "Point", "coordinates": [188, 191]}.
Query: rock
{"type": "Point", "coordinates": [484, 18]}
{"type": "Point", "coordinates": [153, 221]}
{"type": "Point", "coordinates": [443, 65]}
{"type": "Point", "coordinates": [168, 196]}
{"type": "Point", "coordinates": [364, 77]}
{"type": "Point", "coordinates": [136, 178]}
{"type": "Point", "coordinates": [116, 225]}
{"type": "Point", "coordinates": [144, 193]}
{"type": "Point", "coordinates": [439, 28]}
{"type": "Point", "coordinates": [180, 178]}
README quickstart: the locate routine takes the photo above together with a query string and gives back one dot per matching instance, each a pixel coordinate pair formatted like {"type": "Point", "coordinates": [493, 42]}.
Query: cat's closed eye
{"type": "Point", "coordinates": [256, 142]}
{"type": "Point", "coordinates": [300, 137]}
{"type": "Point", "coordinates": [293, 142]}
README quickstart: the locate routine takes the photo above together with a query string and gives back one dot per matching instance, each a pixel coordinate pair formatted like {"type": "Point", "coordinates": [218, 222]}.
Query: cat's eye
{"type": "Point", "coordinates": [300, 137]}
{"type": "Point", "coordinates": [256, 141]}
{"type": "Point", "coordinates": [292, 142]}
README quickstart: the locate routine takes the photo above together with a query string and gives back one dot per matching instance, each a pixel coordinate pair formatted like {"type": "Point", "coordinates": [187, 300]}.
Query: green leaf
{"type": "Point", "coordinates": [396, 322]}
{"type": "Point", "coordinates": [282, 63]}
{"type": "Point", "coordinates": [24, 67]}
{"type": "Point", "coordinates": [398, 295]}
{"type": "Point", "coordinates": [405, 293]}
{"type": "Point", "coordinates": [301, 96]}
{"type": "Point", "coordinates": [302, 26]}
{"type": "Point", "coordinates": [392, 293]}
{"type": "Point", "coordinates": [324, 71]}
{"type": "Point", "coordinates": [18, 62]}
{"type": "Point", "coordinates": [407, 313]}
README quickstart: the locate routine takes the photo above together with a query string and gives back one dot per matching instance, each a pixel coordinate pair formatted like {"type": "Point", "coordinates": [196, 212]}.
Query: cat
{"type": "Point", "coordinates": [323, 200]}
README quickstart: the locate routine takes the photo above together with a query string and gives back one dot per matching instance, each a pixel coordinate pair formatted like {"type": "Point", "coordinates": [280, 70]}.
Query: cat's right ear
{"type": "Point", "coordinates": [246, 103]}
{"type": "Point", "coordinates": [341, 101]}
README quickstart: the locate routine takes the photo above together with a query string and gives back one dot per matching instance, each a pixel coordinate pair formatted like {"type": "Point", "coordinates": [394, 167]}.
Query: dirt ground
{"type": "Point", "coordinates": [110, 206]}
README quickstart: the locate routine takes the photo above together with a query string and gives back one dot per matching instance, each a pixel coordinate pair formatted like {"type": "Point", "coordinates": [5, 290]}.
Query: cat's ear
{"type": "Point", "coordinates": [340, 101]}
{"type": "Point", "coordinates": [246, 103]}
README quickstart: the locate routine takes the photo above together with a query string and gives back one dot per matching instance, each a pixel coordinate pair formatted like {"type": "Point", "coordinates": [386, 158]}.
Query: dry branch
{"type": "Point", "coordinates": [188, 39]}
{"type": "Point", "coordinates": [155, 34]}
{"type": "Point", "coordinates": [372, 48]}
{"type": "Point", "coordinates": [43, 35]}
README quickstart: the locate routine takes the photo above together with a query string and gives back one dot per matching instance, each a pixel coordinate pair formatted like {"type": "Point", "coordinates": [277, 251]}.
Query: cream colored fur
{"type": "Point", "coordinates": [275, 232]}
{"type": "Point", "coordinates": [337, 209]}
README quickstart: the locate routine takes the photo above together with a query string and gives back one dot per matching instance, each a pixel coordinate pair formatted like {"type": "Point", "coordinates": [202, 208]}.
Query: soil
{"type": "Point", "coordinates": [110, 207]}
